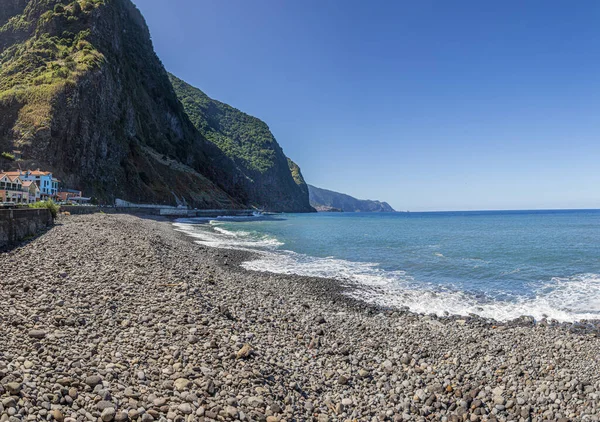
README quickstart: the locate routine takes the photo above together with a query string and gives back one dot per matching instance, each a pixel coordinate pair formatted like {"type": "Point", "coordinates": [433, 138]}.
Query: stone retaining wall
{"type": "Point", "coordinates": [18, 224]}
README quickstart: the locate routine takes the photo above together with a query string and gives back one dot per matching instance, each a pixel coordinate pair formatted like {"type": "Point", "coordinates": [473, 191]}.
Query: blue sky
{"type": "Point", "coordinates": [429, 105]}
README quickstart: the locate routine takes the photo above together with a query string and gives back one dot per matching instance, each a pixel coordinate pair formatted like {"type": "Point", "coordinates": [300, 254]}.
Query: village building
{"type": "Point", "coordinates": [23, 187]}
{"type": "Point", "coordinates": [45, 181]}
{"type": "Point", "coordinates": [11, 189]}
{"type": "Point", "coordinates": [65, 195]}
{"type": "Point", "coordinates": [34, 193]}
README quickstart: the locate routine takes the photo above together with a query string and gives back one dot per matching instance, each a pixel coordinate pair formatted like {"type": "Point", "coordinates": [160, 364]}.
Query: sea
{"type": "Point", "coordinates": [496, 264]}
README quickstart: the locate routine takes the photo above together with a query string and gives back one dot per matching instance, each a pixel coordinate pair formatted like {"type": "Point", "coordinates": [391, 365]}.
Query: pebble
{"type": "Point", "coordinates": [57, 415]}
{"type": "Point", "coordinates": [363, 373]}
{"type": "Point", "coordinates": [13, 388]}
{"type": "Point", "coordinates": [38, 334]}
{"type": "Point", "coordinates": [231, 411]}
{"type": "Point", "coordinates": [185, 408]}
{"type": "Point", "coordinates": [182, 384]}
{"type": "Point", "coordinates": [93, 380]}
{"type": "Point", "coordinates": [108, 414]}
{"type": "Point", "coordinates": [150, 326]}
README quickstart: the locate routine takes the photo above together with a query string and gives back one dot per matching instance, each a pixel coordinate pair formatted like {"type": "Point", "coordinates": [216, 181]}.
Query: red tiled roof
{"type": "Point", "coordinates": [24, 173]}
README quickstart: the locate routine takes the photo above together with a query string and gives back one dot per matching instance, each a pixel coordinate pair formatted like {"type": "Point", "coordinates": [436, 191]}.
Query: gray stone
{"type": "Point", "coordinates": [38, 334]}
{"type": "Point", "coordinates": [108, 414]}
{"type": "Point", "coordinates": [182, 384]}
{"type": "Point", "coordinates": [93, 380]}
{"type": "Point", "coordinates": [14, 388]}
{"type": "Point", "coordinates": [231, 411]}
{"type": "Point", "coordinates": [103, 404]}
{"type": "Point", "coordinates": [185, 408]}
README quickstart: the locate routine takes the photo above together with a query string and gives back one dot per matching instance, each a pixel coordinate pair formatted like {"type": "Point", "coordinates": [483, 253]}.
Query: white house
{"type": "Point", "coordinates": [46, 182]}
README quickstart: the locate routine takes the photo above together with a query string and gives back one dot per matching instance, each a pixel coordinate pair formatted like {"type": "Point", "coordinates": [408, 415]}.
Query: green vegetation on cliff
{"type": "Point", "coordinates": [240, 136]}
{"type": "Point", "coordinates": [273, 183]}
{"type": "Point", "coordinates": [298, 178]}
{"type": "Point", "coordinates": [295, 170]}
{"type": "Point", "coordinates": [51, 51]}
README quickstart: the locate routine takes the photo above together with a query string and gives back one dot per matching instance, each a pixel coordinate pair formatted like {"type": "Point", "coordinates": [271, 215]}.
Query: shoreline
{"type": "Point", "coordinates": [117, 317]}
{"type": "Point", "coordinates": [338, 288]}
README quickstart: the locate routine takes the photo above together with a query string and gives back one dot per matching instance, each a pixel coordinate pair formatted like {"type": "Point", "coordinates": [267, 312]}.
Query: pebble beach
{"type": "Point", "coordinates": [117, 317]}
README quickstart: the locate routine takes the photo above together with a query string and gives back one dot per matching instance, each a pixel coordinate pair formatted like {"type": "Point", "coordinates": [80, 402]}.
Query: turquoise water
{"type": "Point", "coordinates": [496, 264]}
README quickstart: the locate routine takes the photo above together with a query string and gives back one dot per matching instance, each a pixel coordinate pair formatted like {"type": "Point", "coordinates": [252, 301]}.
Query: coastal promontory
{"type": "Point", "coordinates": [328, 200]}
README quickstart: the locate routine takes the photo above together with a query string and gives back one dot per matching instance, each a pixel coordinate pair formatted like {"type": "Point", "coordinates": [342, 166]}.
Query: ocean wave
{"type": "Point", "coordinates": [230, 233]}
{"type": "Point", "coordinates": [564, 299]}
{"type": "Point", "coordinates": [217, 237]}
{"type": "Point", "coordinates": [571, 299]}
{"type": "Point", "coordinates": [288, 262]}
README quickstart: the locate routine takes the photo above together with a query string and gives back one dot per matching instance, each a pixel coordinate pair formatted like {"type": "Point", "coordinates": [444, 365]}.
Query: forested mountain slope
{"type": "Point", "coordinates": [250, 144]}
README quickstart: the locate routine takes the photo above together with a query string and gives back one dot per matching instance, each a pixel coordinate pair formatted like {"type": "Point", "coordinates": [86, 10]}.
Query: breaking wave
{"type": "Point", "coordinates": [563, 299]}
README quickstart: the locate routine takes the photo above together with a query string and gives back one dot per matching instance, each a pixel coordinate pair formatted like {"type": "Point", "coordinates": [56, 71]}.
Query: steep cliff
{"type": "Point", "coordinates": [297, 176]}
{"type": "Point", "coordinates": [83, 94]}
{"type": "Point", "coordinates": [327, 200]}
{"type": "Point", "coordinates": [270, 181]}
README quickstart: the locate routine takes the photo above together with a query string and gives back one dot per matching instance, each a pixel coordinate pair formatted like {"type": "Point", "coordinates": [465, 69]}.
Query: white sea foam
{"type": "Point", "coordinates": [230, 233]}
{"type": "Point", "coordinates": [210, 235]}
{"type": "Point", "coordinates": [570, 299]}
{"type": "Point", "coordinates": [287, 262]}
{"type": "Point", "coordinates": [563, 299]}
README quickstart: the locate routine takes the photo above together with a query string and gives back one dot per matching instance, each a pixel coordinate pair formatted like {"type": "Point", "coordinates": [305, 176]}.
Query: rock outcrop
{"type": "Point", "coordinates": [326, 200]}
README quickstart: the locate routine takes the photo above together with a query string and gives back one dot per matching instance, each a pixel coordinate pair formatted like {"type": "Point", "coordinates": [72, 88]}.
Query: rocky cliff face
{"type": "Point", "coordinates": [83, 94]}
{"type": "Point", "coordinates": [298, 178]}
{"type": "Point", "coordinates": [270, 181]}
{"type": "Point", "coordinates": [327, 200]}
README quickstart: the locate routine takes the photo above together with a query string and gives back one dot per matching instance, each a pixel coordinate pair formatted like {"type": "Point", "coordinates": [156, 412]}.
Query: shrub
{"type": "Point", "coordinates": [59, 8]}
{"type": "Point", "coordinates": [8, 156]}
{"type": "Point", "coordinates": [62, 72]}
{"type": "Point", "coordinates": [76, 8]}
{"type": "Point", "coordinates": [47, 204]}
{"type": "Point", "coordinates": [87, 5]}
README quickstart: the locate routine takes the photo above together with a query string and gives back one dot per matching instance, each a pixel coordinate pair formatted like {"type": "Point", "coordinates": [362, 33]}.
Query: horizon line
{"type": "Point", "coordinates": [505, 210]}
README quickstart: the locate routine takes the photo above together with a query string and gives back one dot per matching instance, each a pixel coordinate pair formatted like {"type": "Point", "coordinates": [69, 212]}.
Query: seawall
{"type": "Point", "coordinates": [18, 224]}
